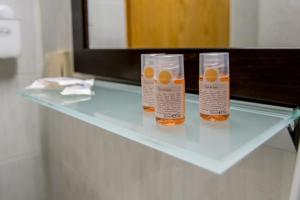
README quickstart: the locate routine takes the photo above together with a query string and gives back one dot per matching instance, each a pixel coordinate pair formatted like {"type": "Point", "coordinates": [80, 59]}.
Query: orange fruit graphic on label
{"type": "Point", "coordinates": [211, 75]}
{"type": "Point", "coordinates": [165, 77]}
{"type": "Point", "coordinates": [149, 72]}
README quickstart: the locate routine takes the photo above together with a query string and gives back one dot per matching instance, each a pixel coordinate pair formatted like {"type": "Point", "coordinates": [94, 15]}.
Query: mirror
{"type": "Point", "coordinates": [119, 24]}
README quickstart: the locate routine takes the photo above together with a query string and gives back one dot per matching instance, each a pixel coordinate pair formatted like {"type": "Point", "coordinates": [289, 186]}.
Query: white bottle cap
{"type": "Point", "coordinates": [214, 60]}
{"type": "Point", "coordinates": [171, 62]}
{"type": "Point", "coordinates": [148, 59]}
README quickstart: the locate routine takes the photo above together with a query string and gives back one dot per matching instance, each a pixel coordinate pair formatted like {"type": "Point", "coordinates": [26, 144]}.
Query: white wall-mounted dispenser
{"type": "Point", "coordinates": [10, 36]}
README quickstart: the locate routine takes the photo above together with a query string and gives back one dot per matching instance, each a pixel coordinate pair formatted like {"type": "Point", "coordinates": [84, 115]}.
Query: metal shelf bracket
{"type": "Point", "coordinates": [294, 130]}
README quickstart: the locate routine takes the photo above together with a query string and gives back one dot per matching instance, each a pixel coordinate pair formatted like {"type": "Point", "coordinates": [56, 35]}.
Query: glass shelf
{"type": "Point", "coordinates": [214, 146]}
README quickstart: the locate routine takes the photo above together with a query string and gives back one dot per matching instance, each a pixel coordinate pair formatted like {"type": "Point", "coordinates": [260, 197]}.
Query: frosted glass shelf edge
{"type": "Point", "coordinates": [192, 142]}
{"type": "Point", "coordinates": [204, 163]}
{"type": "Point", "coordinates": [246, 150]}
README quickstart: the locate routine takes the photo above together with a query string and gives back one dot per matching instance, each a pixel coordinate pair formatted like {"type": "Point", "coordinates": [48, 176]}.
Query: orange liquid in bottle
{"type": "Point", "coordinates": [178, 121]}
{"type": "Point", "coordinates": [148, 109]}
{"type": "Point", "coordinates": [216, 117]}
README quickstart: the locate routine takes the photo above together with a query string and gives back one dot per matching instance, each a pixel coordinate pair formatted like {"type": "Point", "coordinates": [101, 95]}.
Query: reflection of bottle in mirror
{"type": "Point", "coordinates": [214, 103]}
{"type": "Point", "coordinates": [147, 81]}
{"type": "Point", "coordinates": [170, 90]}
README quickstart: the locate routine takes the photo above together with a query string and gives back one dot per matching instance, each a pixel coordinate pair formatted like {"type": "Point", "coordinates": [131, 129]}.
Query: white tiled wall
{"type": "Point", "coordinates": [21, 163]}
{"type": "Point", "coordinates": [46, 27]}
{"type": "Point", "coordinates": [56, 25]}
{"type": "Point", "coordinates": [28, 12]}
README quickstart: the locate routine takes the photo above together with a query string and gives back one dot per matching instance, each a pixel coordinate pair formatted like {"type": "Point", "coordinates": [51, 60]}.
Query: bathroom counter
{"type": "Point", "coordinates": [212, 146]}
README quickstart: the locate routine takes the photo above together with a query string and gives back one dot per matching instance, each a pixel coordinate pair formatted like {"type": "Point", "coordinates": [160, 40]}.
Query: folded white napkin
{"type": "Point", "coordinates": [70, 86]}
{"type": "Point", "coordinates": [78, 90]}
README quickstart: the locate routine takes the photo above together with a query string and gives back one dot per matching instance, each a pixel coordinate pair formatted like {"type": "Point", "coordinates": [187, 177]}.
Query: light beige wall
{"type": "Point", "coordinates": [279, 23]}
{"type": "Point", "coordinates": [107, 24]}
{"type": "Point", "coordinates": [265, 23]}
{"type": "Point", "coordinates": [244, 23]}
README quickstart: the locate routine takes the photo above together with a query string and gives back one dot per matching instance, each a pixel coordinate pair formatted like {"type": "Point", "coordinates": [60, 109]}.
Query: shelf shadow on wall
{"type": "Point", "coordinates": [8, 68]}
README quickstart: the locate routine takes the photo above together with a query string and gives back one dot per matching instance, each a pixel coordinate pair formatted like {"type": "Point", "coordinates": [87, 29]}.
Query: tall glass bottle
{"type": "Point", "coordinates": [170, 89]}
{"type": "Point", "coordinates": [214, 90]}
{"type": "Point", "coordinates": [147, 81]}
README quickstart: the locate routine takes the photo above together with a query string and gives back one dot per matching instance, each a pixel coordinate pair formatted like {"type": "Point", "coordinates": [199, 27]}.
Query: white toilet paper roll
{"type": "Point", "coordinates": [10, 38]}
{"type": "Point", "coordinates": [6, 12]}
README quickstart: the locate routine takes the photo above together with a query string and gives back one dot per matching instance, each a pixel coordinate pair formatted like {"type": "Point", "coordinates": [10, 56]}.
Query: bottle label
{"type": "Point", "coordinates": [170, 101]}
{"type": "Point", "coordinates": [213, 94]}
{"type": "Point", "coordinates": [148, 92]}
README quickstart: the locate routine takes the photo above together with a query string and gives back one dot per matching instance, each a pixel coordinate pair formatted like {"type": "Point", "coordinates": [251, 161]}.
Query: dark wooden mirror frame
{"type": "Point", "coordinates": [269, 76]}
